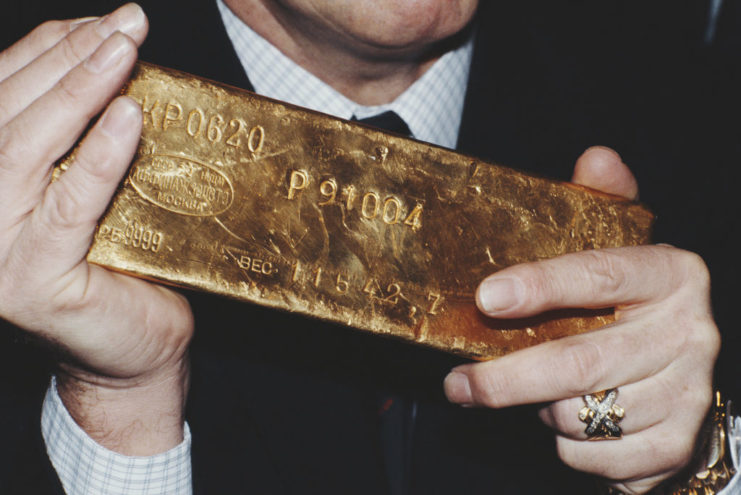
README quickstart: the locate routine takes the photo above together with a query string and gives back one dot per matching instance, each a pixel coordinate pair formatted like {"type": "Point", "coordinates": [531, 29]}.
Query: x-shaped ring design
{"type": "Point", "coordinates": [602, 415]}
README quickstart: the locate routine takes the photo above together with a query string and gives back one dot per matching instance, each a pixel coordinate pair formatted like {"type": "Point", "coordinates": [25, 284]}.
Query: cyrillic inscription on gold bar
{"type": "Point", "coordinates": [261, 201]}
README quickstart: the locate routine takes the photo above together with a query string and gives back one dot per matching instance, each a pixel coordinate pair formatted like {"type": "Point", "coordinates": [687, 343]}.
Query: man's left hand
{"type": "Point", "coordinates": [660, 351]}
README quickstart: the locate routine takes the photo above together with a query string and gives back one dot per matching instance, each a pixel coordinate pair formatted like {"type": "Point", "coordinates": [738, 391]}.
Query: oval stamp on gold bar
{"type": "Point", "coordinates": [276, 205]}
{"type": "Point", "coordinates": [182, 185]}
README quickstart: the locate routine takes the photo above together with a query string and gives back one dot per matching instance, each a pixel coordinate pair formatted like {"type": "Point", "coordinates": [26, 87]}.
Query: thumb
{"type": "Point", "coordinates": [602, 168]}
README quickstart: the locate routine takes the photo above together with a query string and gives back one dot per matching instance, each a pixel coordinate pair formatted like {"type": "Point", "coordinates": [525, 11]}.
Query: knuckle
{"type": "Point", "coordinates": [68, 93]}
{"type": "Point", "coordinates": [688, 306]}
{"type": "Point", "coordinates": [684, 397]}
{"type": "Point", "coordinates": [62, 207]}
{"type": "Point", "coordinates": [705, 339]}
{"type": "Point", "coordinates": [538, 283]}
{"type": "Point", "coordinates": [485, 389]}
{"type": "Point", "coordinates": [701, 398]}
{"type": "Point", "coordinates": [70, 52]}
{"type": "Point", "coordinates": [578, 366]}
{"type": "Point", "coordinates": [694, 270]}
{"type": "Point", "coordinates": [697, 395]}
{"type": "Point", "coordinates": [697, 335]}
{"type": "Point", "coordinates": [713, 343]}
{"type": "Point", "coordinates": [605, 271]}
{"type": "Point", "coordinates": [51, 30]}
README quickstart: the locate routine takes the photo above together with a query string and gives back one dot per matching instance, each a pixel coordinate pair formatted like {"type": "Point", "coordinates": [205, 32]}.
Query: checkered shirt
{"type": "Point", "coordinates": [86, 468]}
{"type": "Point", "coordinates": [432, 107]}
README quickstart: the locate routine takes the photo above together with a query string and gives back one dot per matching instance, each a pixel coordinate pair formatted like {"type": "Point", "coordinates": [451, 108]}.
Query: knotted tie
{"type": "Point", "coordinates": [389, 121]}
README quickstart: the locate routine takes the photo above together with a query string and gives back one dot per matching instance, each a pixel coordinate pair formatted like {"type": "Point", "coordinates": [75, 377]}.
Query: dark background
{"type": "Point", "coordinates": [560, 76]}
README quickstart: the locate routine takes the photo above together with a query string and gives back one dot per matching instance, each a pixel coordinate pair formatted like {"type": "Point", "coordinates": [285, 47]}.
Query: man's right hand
{"type": "Point", "coordinates": [122, 342]}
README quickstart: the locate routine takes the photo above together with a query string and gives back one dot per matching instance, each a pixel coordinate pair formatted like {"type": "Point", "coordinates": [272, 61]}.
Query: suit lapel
{"type": "Point", "coordinates": [511, 115]}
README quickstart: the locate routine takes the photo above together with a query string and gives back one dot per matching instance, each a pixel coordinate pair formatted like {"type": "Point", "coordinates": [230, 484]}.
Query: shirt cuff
{"type": "Point", "coordinates": [85, 467]}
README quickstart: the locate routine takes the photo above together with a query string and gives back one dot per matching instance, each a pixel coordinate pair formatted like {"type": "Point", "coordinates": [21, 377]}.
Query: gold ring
{"type": "Point", "coordinates": [602, 415]}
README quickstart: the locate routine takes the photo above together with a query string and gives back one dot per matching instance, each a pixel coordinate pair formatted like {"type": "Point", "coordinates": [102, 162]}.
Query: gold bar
{"type": "Point", "coordinates": [261, 201]}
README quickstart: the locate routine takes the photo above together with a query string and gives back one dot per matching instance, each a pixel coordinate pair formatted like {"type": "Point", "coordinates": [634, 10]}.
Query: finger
{"type": "Point", "coordinates": [592, 279]}
{"type": "Point", "coordinates": [664, 396]}
{"type": "Point", "coordinates": [619, 354]}
{"type": "Point", "coordinates": [641, 485]}
{"type": "Point", "coordinates": [59, 233]}
{"type": "Point", "coordinates": [22, 88]}
{"type": "Point", "coordinates": [51, 125]}
{"type": "Point", "coordinates": [35, 43]}
{"type": "Point", "coordinates": [651, 455]}
{"type": "Point", "coordinates": [563, 416]}
{"type": "Point", "coordinates": [602, 168]}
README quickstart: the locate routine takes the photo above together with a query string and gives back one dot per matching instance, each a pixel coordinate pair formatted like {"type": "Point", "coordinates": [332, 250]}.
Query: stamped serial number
{"type": "Point", "coordinates": [134, 235]}
{"type": "Point", "coordinates": [203, 126]}
{"type": "Point", "coordinates": [389, 293]}
{"type": "Point", "coordinates": [371, 205]}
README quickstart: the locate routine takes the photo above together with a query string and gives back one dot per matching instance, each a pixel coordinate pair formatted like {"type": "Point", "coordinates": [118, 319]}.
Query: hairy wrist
{"type": "Point", "coordinates": [139, 416]}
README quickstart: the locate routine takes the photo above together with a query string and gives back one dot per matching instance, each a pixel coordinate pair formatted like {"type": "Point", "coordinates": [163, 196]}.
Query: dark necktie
{"type": "Point", "coordinates": [396, 414]}
{"type": "Point", "coordinates": [389, 121]}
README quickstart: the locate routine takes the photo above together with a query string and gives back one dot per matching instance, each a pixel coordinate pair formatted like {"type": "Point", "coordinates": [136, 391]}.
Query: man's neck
{"type": "Point", "coordinates": [373, 76]}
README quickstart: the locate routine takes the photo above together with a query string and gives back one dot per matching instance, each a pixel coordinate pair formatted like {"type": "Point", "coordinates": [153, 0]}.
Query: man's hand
{"type": "Point", "coordinates": [122, 342]}
{"type": "Point", "coordinates": [660, 352]}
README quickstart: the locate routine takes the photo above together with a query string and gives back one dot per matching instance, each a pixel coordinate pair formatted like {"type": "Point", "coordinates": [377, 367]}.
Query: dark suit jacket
{"type": "Point", "coordinates": [284, 405]}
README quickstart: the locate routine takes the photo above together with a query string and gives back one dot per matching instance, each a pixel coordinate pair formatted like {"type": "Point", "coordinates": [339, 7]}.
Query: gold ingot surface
{"type": "Point", "coordinates": [265, 202]}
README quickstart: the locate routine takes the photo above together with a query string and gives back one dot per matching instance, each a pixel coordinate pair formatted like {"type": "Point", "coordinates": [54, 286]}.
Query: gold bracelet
{"type": "Point", "coordinates": [712, 469]}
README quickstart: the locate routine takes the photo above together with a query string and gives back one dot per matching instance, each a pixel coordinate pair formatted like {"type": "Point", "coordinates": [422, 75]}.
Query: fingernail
{"type": "Point", "coordinates": [120, 117]}
{"type": "Point", "coordinates": [127, 19]}
{"type": "Point", "coordinates": [78, 22]}
{"type": "Point", "coordinates": [497, 294]}
{"type": "Point", "coordinates": [107, 55]}
{"type": "Point", "coordinates": [458, 389]}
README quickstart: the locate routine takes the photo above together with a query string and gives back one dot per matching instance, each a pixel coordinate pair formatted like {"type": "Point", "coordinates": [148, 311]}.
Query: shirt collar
{"type": "Point", "coordinates": [432, 107]}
